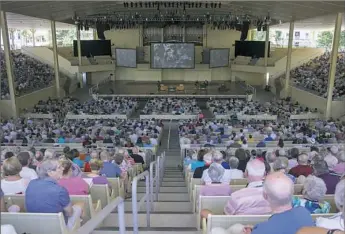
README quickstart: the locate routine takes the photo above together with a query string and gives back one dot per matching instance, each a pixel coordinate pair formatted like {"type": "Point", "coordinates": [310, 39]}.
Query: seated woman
{"type": "Point", "coordinates": [94, 178]}
{"type": "Point", "coordinates": [196, 161]}
{"type": "Point", "coordinates": [13, 183]}
{"type": "Point", "coordinates": [199, 170]}
{"type": "Point", "coordinates": [109, 169]}
{"type": "Point", "coordinates": [336, 221]}
{"type": "Point", "coordinates": [314, 190]}
{"type": "Point", "coordinates": [74, 185]}
{"type": "Point", "coordinates": [216, 187]}
{"type": "Point", "coordinates": [282, 164]}
{"type": "Point", "coordinates": [45, 195]}
{"type": "Point", "coordinates": [235, 173]}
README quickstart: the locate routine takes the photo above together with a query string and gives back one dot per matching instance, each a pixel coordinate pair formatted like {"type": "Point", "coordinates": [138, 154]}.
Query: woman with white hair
{"type": "Point", "coordinates": [340, 167]}
{"type": "Point", "coordinates": [217, 158]}
{"type": "Point", "coordinates": [336, 221]}
{"type": "Point", "coordinates": [314, 190]}
{"type": "Point", "coordinates": [215, 187]}
{"type": "Point", "coordinates": [282, 164]}
{"type": "Point", "coordinates": [199, 171]}
{"type": "Point", "coordinates": [13, 183]}
{"type": "Point", "coordinates": [234, 172]}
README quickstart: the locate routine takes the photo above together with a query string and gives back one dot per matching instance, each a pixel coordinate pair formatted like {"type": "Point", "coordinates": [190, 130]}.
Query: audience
{"type": "Point", "coordinates": [29, 75]}
{"type": "Point", "coordinates": [331, 179]}
{"type": "Point", "coordinates": [340, 167]}
{"type": "Point", "coordinates": [314, 190]}
{"type": "Point", "coordinates": [302, 168]}
{"type": "Point", "coordinates": [314, 75]}
{"type": "Point", "coordinates": [168, 106]}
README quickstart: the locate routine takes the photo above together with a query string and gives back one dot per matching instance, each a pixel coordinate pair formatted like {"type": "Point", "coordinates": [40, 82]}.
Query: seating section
{"type": "Point", "coordinates": [29, 75]}
{"type": "Point", "coordinates": [171, 106]}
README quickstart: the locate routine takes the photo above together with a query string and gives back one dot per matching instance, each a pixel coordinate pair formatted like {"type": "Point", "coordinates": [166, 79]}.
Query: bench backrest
{"type": "Point", "coordinates": [100, 192]}
{"type": "Point", "coordinates": [36, 223]}
{"type": "Point", "coordinates": [117, 186]}
{"type": "Point", "coordinates": [226, 221]}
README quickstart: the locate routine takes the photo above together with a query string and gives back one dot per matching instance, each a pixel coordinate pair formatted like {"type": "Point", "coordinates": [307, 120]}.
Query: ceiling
{"type": "Point", "coordinates": [63, 11]}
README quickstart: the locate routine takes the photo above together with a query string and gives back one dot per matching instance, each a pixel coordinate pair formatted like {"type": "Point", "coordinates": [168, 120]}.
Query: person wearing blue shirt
{"type": "Point", "coordinates": [110, 169]}
{"type": "Point", "coordinates": [261, 144]}
{"type": "Point", "coordinates": [45, 195]}
{"type": "Point", "coordinates": [278, 191]}
{"type": "Point", "coordinates": [61, 140]}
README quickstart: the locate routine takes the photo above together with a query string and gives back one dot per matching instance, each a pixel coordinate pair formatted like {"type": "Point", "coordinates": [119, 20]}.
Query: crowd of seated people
{"type": "Point", "coordinates": [240, 134]}
{"type": "Point", "coordinates": [171, 106]}
{"type": "Point", "coordinates": [233, 107]}
{"type": "Point", "coordinates": [270, 177]}
{"type": "Point", "coordinates": [26, 132]}
{"type": "Point", "coordinates": [314, 75]}
{"type": "Point", "coordinates": [103, 106]}
{"type": "Point", "coordinates": [28, 73]}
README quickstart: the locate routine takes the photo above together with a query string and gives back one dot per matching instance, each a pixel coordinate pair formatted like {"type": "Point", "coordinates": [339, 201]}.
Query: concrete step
{"type": "Point", "coordinates": [156, 220]}
{"type": "Point", "coordinates": [169, 179]}
{"type": "Point", "coordinates": [172, 189]}
{"type": "Point", "coordinates": [166, 184]}
{"type": "Point", "coordinates": [150, 230]}
{"type": "Point", "coordinates": [168, 197]}
{"type": "Point", "coordinates": [163, 206]}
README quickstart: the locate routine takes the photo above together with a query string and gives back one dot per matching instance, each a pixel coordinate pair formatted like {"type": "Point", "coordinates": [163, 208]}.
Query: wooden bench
{"type": "Point", "coordinates": [38, 223]}
{"type": "Point", "coordinates": [102, 193]}
{"type": "Point", "coordinates": [90, 209]}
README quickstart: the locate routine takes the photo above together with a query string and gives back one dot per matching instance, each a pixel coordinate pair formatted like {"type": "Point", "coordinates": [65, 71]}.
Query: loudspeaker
{"type": "Point", "coordinates": [244, 32]}
{"type": "Point", "coordinates": [100, 30]}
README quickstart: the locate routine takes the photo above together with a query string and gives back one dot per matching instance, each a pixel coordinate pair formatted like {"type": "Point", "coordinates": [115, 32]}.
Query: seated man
{"type": "Point", "coordinates": [302, 168]}
{"type": "Point", "coordinates": [45, 195]}
{"type": "Point", "coordinates": [331, 179]}
{"type": "Point", "coordinates": [250, 200]}
{"type": "Point", "coordinates": [278, 190]}
{"type": "Point", "coordinates": [108, 168]}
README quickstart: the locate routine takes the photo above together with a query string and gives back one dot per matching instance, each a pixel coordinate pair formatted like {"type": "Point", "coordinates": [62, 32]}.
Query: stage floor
{"type": "Point", "coordinates": [147, 88]}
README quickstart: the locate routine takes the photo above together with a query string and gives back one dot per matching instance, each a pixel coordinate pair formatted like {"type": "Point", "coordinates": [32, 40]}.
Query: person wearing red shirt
{"type": "Point", "coordinates": [302, 168]}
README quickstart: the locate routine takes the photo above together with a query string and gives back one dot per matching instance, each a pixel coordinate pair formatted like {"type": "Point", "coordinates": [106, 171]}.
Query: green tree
{"type": "Point", "coordinates": [342, 40]}
{"type": "Point", "coordinates": [325, 39]}
{"type": "Point", "coordinates": [25, 36]}
{"type": "Point", "coordinates": [278, 37]}
{"type": "Point", "coordinates": [65, 37]}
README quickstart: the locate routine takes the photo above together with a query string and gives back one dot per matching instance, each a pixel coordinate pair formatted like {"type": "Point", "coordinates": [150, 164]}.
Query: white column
{"type": "Point", "coordinates": [288, 59]}
{"type": "Point", "coordinates": [184, 34]}
{"type": "Point", "coordinates": [266, 44]}
{"type": "Point", "coordinates": [141, 36]}
{"type": "Point", "coordinates": [333, 65]}
{"type": "Point", "coordinates": [80, 77]}
{"type": "Point", "coordinates": [8, 60]}
{"type": "Point", "coordinates": [56, 59]}
{"type": "Point", "coordinates": [204, 35]}
{"type": "Point", "coordinates": [162, 34]}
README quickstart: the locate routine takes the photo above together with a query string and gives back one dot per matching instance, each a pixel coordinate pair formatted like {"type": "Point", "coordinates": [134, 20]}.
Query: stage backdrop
{"type": "Point", "coordinates": [126, 57]}
{"type": "Point", "coordinates": [219, 58]}
{"type": "Point", "coordinates": [172, 55]}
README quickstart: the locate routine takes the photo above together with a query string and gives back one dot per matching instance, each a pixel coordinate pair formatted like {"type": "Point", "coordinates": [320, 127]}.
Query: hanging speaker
{"type": "Point", "coordinates": [244, 32]}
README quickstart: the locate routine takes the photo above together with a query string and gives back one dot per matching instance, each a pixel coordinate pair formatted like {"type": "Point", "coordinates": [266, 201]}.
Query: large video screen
{"type": "Point", "coordinates": [126, 57]}
{"type": "Point", "coordinates": [91, 48]}
{"type": "Point", "coordinates": [172, 55]}
{"type": "Point", "coordinates": [219, 58]}
{"type": "Point", "coordinates": [251, 49]}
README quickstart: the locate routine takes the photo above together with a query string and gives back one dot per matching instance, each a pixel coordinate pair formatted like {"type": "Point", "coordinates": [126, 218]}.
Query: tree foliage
{"type": "Point", "coordinates": [325, 40]}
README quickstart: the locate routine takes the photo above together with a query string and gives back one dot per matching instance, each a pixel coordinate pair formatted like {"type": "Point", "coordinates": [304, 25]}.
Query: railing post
{"type": "Point", "coordinates": [135, 206]}
{"type": "Point", "coordinates": [121, 217]}
{"type": "Point", "coordinates": [157, 177]}
{"type": "Point", "coordinates": [152, 179]}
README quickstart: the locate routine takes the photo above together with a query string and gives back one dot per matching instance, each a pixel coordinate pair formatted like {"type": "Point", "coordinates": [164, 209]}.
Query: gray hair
{"type": "Point", "coordinates": [49, 154]}
{"type": "Point", "coordinates": [216, 172]}
{"type": "Point", "coordinates": [281, 163]}
{"type": "Point", "coordinates": [314, 188]}
{"type": "Point", "coordinates": [320, 167]}
{"type": "Point", "coordinates": [339, 195]}
{"type": "Point", "coordinates": [303, 159]}
{"type": "Point", "coordinates": [217, 156]}
{"type": "Point", "coordinates": [119, 158]}
{"type": "Point", "coordinates": [233, 162]}
{"type": "Point", "coordinates": [11, 167]}
{"type": "Point", "coordinates": [47, 166]}
{"type": "Point", "coordinates": [105, 155]}
{"type": "Point", "coordinates": [270, 157]}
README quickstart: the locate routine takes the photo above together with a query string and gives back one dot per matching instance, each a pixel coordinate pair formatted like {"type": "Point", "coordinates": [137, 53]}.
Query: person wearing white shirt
{"type": "Point", "coordinates": [26, 172]}
{"type": "Point", "coordinates": [134, 138]}
{"type": "Point", "coordinates": [12, 183]}
{"type": "Point", "coordinates": [153, 140]}
{"type": "Point", "coordinates": [234, 172]}
{"type": "Point", "coordinates": [336, 221]}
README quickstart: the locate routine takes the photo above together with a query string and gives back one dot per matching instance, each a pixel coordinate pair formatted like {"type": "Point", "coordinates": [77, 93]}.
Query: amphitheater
{"type": "Point", "coordinates": [181, 117]}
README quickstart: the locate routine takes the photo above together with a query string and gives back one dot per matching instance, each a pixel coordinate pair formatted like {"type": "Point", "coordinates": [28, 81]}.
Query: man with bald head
{"type": "Point", "coordinates": [302, 168]}
{"type": "Point", "coordinates": [250, 200]}
{"type": "Point", "coordinates": [277, 191]}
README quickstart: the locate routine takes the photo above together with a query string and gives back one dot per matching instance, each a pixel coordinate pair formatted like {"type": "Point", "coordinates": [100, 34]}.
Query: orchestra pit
{"type": "Point", "coordinates": [161, 117]}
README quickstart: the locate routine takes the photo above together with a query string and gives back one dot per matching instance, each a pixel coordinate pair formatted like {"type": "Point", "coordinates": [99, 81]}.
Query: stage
{"type": "Point", "coordinates": [149, 89]}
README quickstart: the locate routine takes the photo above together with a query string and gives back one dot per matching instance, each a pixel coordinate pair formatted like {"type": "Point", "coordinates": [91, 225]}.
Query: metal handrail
{"type": "Point", "coordinates": [135, 205]}
{"type": "Point", "coordinates": [100, 216]}
{"type": "Point", "coordinates": [168, 145]}
{"type": "Point", "coordinates": [154, 178]}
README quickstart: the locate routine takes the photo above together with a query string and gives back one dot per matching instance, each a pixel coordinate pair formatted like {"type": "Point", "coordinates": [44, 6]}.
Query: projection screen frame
{"type": "Point", "coordinates": [228, 49]}
{"type": "Point", "coordinates": [171, 67]}
{"type": "Point", "coordinates": [136, 64]}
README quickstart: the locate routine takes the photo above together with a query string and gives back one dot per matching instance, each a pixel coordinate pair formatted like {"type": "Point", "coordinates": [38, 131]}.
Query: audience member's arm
{"type": "Point", "coordinates": [317, 230]}
{"type": "Point", "coordinates": [2, 202]}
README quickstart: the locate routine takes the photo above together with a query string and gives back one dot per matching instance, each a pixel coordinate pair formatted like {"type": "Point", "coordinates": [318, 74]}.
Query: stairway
{"type": "Point", "coordinates": [172, 213]}
{"type": "Point", "coordinates": [207, 113]}
{"type": "Point", "coordinates": [136, 114]}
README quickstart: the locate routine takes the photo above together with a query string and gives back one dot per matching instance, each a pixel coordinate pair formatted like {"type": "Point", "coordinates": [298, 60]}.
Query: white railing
{"type": "Point", "coordinates": [168, 144]}
{"type": "Point", "coordinates": [93, 223]}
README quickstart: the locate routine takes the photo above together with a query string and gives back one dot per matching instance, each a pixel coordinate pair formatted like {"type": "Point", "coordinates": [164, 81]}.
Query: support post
{"type": "Point", "coordinates": [333, 65]}
{"type": "Point", "coordinates": [184, 33]}
{"type": "Point", "coordinates": [94, 31]}
{"type": "Point", "coordinates": [162, 34]}
{"type": "Point", "coordinates": [266, 44]}
{"type": "Point", "coordinates": [56, 59]}
{"type": "Point", "coordinates": [288, 59]}
{"type": "Point", "coordinates": [80, 63]}
{"type": "Point", "coordinates": [8, 60]}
